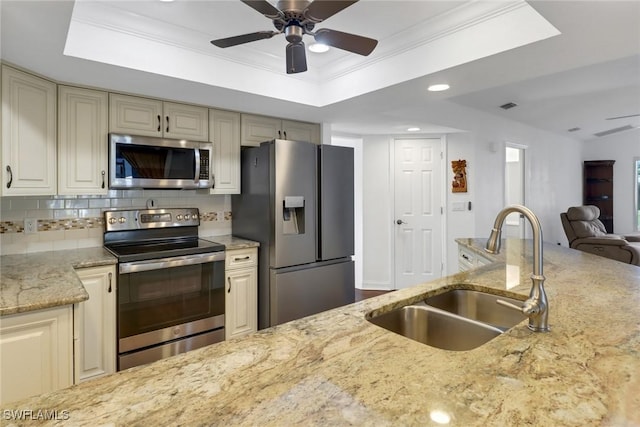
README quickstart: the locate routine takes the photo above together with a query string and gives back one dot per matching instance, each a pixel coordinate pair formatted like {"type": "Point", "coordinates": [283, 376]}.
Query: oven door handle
{"type": "Point", "coordinates": [157, 264]}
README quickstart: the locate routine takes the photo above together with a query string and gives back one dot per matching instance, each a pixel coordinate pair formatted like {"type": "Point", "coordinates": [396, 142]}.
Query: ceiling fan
{"type": "Point", "coordinates": [296, 18]}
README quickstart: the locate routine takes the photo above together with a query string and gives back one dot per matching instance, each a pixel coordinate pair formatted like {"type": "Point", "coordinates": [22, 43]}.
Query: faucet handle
{"type": "Point", "coordinates": [529, 307]}
{"type": "Point", "coordinates": [509, 305]}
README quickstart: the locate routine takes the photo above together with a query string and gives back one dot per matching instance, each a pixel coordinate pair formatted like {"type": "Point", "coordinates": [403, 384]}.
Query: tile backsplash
{"type": "Point", "coordinates": [71, 222]}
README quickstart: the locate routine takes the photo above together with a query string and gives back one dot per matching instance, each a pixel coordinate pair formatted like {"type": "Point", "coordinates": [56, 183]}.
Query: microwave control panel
{"type": "Point", "coordinates": [204, 164]}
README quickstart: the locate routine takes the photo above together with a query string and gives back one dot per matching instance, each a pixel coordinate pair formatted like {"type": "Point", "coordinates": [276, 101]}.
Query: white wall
{"type": "Point", "coordinates": [356, 144]}
{"type": "Point", "coordinates": [553, 183]}
{"type": "Point", "coordinates": [460, 224]}
{"type": "Point", "coordinates": [377, 214]}
{"type": "Point", "coordinates": [621, 147]}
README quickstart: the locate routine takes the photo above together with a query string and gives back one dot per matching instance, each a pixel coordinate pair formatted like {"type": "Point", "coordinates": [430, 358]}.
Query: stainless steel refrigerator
{"type": "Point", "coordinates": [297, 201]}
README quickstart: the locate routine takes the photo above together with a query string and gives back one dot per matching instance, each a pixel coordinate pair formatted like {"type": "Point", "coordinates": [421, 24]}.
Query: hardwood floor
{"type": "Point", "coordinates": [364, 294]}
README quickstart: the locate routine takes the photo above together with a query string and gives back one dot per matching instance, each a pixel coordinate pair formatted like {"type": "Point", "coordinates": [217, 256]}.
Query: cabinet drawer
{"type": "Point", "coordinates": [238, 258]}
{"type": "Point", "coordinates": [466, 257]}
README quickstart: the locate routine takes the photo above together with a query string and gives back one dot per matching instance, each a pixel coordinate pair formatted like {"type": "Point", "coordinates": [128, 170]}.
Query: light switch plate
{"type": "Point", "coordinates": [30, 225]}
{"type": "Point", "coordinates": [458, 206]}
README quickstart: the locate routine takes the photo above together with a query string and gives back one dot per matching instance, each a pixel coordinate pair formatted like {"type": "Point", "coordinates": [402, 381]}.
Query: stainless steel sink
{"type": "Point", "coordinates": [458, 320]}
{"type": "Point", "coordinates": [436, 328]}
{"type": "Point", "coordinates": [478, 306]}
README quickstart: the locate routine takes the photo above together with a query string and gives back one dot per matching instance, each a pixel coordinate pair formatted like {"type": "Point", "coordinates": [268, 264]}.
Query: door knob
{"type": "Point", "coordinates": [400, 222]}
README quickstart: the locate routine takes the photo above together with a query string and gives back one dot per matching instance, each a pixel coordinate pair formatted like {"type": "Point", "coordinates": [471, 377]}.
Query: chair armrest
{"type": "Point", "coordinates": [602, 240]}
{"type": "Point", "coordinates": [632, 238]}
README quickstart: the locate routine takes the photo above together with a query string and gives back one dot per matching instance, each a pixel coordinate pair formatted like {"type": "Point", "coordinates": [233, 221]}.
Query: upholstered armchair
{"type": "Point", "coordinates": [586, 232]}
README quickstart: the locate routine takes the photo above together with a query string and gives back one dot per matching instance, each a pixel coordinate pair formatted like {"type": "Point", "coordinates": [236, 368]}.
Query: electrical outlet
{"type": "Point", "coordinates": [30, 225]}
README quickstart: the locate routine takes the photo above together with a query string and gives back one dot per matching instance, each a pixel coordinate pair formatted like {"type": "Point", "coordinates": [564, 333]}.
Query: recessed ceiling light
{"type": "Point", "coordinates": [318, 48]}
{"type": "Point", "coordinates": [438, 87]}
{"type": "Point", "coordinates": [413, 129]}
{"type": "Point", "coordinates": [508, 105]}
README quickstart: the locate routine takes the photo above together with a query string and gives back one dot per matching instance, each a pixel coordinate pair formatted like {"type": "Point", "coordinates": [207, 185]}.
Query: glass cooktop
{"type": "Point", "coordinates": [138, 251]}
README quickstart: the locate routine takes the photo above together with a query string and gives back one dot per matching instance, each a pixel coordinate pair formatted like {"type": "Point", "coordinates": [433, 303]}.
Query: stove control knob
{"type": "Point", "coordinates": [186, 217]}
{"type": "Point", "coordinates": [112, 220]}
{"type": "Point", "coordinates": [122, 220]}
{"type": "Point", "coordinates": [179, 217]}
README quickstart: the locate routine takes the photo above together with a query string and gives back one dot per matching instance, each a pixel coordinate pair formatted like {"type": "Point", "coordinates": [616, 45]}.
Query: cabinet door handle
{"type": "Point", "coordinates": [10, 176]}
{"type": "Point", "coordinates": [102, 178]}
{"type": "Point", "coordinates": [229, 280]}
{"type": "Point", "coordinates": [167, 124]}
{"type": "Point", "coordinates": [465, 257]}
{"type": "Point", "coordinates": [110, 276]}
{"type": "Point", "coordinates": [242, 259]}
{"type": "Point", "coordinates": [213, 180]}
{"type": "Point", "coordinates": [285, 134]}
{"type": "Point", "coordinates": [159, 123]}
{"type": "Point", "coordinates": [279, 134]}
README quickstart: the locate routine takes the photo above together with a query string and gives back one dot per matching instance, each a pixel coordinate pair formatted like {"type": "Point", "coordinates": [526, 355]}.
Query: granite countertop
{"type": "Point", "coordinates": [232, 242]}
{"type": "Point", "coordinates": [47, 279]}
{"type": "Point", "coordinates": [336, 368]}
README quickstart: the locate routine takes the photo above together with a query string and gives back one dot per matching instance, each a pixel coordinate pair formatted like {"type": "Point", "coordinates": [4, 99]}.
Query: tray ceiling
{"type": "Point", "coordinates": [416, 38]}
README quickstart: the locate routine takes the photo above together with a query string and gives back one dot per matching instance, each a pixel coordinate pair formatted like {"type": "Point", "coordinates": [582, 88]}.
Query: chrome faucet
{"type": "Point", "coordinates": [536, 307]}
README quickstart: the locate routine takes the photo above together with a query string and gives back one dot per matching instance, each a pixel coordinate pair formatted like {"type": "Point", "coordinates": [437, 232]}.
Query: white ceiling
{"type": "Point", "coordinates": [565, 63]}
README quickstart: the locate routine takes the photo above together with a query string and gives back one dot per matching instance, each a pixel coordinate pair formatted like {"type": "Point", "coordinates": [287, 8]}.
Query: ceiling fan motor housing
{"type": "Point", "coordinates": [293, 32]}
{"type": "Point", "coordinates": [293, 6]}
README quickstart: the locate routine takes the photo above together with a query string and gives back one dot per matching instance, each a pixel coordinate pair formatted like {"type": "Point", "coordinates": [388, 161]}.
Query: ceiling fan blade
{"type": "Point", "coordinates": [264, 7]}
{"type": "Point", "coordinates": [296, 58]}
{"type": "Point", "coordinates": [320, 10]}
{"type": "Point", "coordinates": [345, 41]}
{"type": "Point", "coordinates": [244, 38]}
{"type": "Point", "coordinates": [622, 117]}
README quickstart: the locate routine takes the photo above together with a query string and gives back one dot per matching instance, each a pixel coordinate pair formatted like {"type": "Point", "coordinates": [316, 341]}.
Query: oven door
{"type": "Point", "coordinates": [164, 300]}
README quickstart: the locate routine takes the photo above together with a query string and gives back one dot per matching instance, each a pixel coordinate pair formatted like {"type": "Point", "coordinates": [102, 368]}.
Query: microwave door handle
{"type": "Point", "coordinates": [197, 160]}
{"type": "Point", "coordinates": [157, 264]}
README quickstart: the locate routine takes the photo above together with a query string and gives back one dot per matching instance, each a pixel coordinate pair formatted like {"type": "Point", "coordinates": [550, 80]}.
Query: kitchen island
{"type": "Point", "coordinates": [336, 368]}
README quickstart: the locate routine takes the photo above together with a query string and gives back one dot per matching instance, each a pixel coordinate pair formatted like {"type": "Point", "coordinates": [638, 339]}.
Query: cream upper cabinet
{"type": "Point", "coordinates": [37, 353]}
{"type": "Point", "coordinates": [257, 129]}
{"type": "Point", "coordinates": [94, 327]}
{"type": "Point", "coordinates": [82, 141]}
{"type": "Point", "coordinates": [151, 117]}
{"type": "Point", "coordinates": [224, 133]}
{"type": "Point", "coordinates": [241, 296]}
{"type": "Point", "coordinates": [28, 134]}
{"type": "Point", "coordinates": [301, 131]}
{"type": "Point", "coordinates": [186, 121]}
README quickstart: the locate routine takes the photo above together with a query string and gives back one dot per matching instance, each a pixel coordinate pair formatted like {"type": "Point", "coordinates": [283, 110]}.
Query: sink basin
{"type": "Point", "coordinates": [436, 328]}
{"type": "Point", "coordinates": [478, 306]}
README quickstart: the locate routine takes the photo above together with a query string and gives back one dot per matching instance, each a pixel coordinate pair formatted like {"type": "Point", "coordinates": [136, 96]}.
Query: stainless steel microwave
{"type": "Point", "coordinates": [151, 162]}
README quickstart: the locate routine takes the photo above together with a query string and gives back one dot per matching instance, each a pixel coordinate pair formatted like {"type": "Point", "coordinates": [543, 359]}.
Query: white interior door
{"type": "Point", "coordinates": [514, 189]}
{"type": "Point", "coordinates": [418, 217]}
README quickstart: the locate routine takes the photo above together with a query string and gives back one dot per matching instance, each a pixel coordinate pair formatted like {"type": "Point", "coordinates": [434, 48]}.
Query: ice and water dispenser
{"type": "Point", "coordinates": [293, 215]}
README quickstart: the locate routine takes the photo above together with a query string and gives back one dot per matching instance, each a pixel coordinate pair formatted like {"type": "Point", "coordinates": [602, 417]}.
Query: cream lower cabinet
{"type": "Point", "coordinates": [468, 259]}
{"type": "Point", "coordinates": [36, 352]}
{"type": "Point", "coordinates": [95, 325]}
{"type": "Point", "coordinates": [241, 301]}
{"type": "Point", "coordinates": [257, 129]}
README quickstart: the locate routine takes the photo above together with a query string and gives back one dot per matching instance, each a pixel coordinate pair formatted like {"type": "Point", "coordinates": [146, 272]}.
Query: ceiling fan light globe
{"type": "Point", "coordinates": [318, 48]}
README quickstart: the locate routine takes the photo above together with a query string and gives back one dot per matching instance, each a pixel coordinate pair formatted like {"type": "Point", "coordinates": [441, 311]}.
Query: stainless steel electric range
{"type": "Point", "coordinates": [170, 283]}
